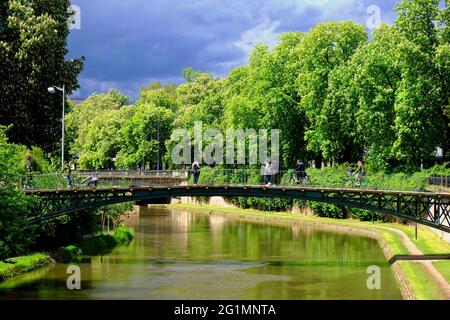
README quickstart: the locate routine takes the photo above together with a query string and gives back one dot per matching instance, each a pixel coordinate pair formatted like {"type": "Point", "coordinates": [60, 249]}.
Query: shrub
{"type": "Point", "coordinates": [123, 235]}
{"type": "Point", "coordinates": [103, 242]}
{"type": "Point", "coordinates": [366, 215]}
{"type": "Point", "coordinates": [96, 245]}
{"type": "Point", "coordinates": [70, 254]}
{"type": "Point", "coordinates": [328, 210]}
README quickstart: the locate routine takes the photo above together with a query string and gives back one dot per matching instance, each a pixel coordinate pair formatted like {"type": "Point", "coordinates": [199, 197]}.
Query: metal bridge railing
{"type": "Point", "coordinates": [210, 176]}
{"type": "Point", "coordinates": [439, 180]}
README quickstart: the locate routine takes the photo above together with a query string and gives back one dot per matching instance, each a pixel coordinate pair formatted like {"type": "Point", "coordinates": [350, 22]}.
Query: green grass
{"type": "Point", "coordinates": [19, 265]}
{"type": "Point", "coordinates": [427, 241]}
{"type": "Point", "coordinates": [444, 268]}
{"type": "Point", "coordinates": [422, 285]}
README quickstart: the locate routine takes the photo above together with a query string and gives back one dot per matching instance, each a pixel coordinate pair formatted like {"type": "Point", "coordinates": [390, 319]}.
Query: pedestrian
{"type": "Point", "coordinates": [267, 172]}
{"type": "Point", "coordinates": [29, 169]}
{"type": "Point", "coordinates": [359, 173]}
{"type": "Point", "coordinates": [67, 170]}
{"type": "Point", "coordinates": [95, 179]}
{"type": "Point", "coordinates": [196, 171]}
{"type": "Point", "coordinates": [300, 172]}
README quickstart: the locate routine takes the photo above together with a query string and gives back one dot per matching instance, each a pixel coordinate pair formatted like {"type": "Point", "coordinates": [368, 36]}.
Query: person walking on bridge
{"type": "Point", "coordinates": [196, 171]}
{"type": "Point", "coordinates": [267, 172]}
{"type": "Point", "coordinates": [359, 173]}
{"type": "Point", "coordinates": [67, 170]}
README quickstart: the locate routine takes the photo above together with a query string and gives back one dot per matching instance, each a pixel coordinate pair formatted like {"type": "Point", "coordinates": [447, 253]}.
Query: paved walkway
{"type": "Point", "coordinates": [427, 264]}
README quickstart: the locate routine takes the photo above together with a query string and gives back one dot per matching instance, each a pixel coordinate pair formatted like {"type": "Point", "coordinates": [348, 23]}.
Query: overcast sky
{"type": "Point", "coordinates": [129, 44]}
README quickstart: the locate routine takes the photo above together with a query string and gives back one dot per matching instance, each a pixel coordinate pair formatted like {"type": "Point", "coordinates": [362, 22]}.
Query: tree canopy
{"type": "Point", "coordinates": [336, 93]}
{"type": "Point", "coordinates": [33, 46]}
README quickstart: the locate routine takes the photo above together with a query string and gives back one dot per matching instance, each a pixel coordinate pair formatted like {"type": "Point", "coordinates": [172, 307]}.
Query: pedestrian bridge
{"type": "Point", "coordinates": [427, 208]}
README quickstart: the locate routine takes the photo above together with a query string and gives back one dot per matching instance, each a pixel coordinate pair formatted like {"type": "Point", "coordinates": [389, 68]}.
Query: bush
{"type": "Point", "coordinates": [328, 210]}
{"type": "Point", "coordinates": [98, 244]}
{"type": "Point", "coordinates": [123, 235]}
{"type": "Point", "coordinates": [70, 254]}
{"type": "Point", "coordinates": [270, 204]}
{"type": "Point", "coordinates": [103, 242]}
{"type": "Point", "coordinates": [366, 215]}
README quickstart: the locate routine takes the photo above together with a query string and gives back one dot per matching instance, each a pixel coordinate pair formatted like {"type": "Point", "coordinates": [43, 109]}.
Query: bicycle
{"type": "Point", "coordinates": [301, 179]}
{"type": "Point", "coordinates": [349, 182]}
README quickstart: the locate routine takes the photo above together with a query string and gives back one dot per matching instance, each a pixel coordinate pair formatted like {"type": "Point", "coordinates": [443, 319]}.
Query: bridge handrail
{"type": "Point", "coordinates": [218, 176]}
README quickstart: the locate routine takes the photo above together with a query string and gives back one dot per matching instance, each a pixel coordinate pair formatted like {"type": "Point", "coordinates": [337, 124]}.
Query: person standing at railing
{"type": "Point", "coordinates": [300, 171]}
{"type": "Point", "coordinates": [29, 169]}
{"type": "Point", "coordinates": [359, 173]}
{"type": "Point", "coordinates": [267, 173]}
{"type": "Point", "coordinates": [196, 171]}
{"type": "Point", "coordinates": [67, 171]}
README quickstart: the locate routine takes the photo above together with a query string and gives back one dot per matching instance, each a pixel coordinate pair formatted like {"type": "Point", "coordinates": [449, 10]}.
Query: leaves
{"type": "Point", "coordinates": [33, 46]}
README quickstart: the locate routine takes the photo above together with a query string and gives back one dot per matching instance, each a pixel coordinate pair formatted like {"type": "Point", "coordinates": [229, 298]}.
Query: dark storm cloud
{"type": "Point", "coordinates": [128, 44]}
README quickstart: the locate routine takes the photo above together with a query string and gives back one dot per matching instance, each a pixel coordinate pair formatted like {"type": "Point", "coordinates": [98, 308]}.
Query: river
{"type": "Point", "coordinates": [178, 254]}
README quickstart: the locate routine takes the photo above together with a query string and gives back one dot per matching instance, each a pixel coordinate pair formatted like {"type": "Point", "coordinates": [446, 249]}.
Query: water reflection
{"type": "Point", "coordinates": [188, 255]}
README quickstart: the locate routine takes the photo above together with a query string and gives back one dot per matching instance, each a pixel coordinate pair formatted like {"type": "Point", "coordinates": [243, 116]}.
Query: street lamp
{"type": "Point", "coordinates": [52, 90]}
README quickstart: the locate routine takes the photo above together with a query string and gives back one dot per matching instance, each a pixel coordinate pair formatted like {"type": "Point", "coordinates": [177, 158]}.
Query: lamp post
{"type": "Point", "coordinates": [52, 90]}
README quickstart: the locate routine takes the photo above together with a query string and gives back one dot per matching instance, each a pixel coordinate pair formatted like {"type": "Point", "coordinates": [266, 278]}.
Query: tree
{"type": "Point", "coordinates": [102, 139]}
{"type": "Point", "coordinates": [358, 114]}
{"type": "Point", "coordinates": [419, 123]}
{"type": "Point", "coordinates": [33, 46]}
{"type": "Point", "coordinates": [199, 99]}
{"type": "Point", "coordinates": [443, 64]}
{"type": "Point", "coordinates": [81, 127]}
{"type": "Point", "coordinates": [16, 233]}
{"type": "Point", "coordinates": [140, 136]}
{"type": "Point", "coordinates": [377, 80]}
{"type": "Point", "coordinates": [323, 49]}
{"type": "Point", "coordinates": [162, 96]}
{"type": "Point", "coordinates": [264, 95]}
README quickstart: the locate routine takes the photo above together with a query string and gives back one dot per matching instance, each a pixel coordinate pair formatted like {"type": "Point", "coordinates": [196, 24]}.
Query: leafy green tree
{"type": "Point", "coordinates": [140, 136]}
{"type": "Point", "coordinates": [443, 64]}
{"type": "Point", "coordinates": [377, 79]}
{"type": "Point", "coordinates": [162, 96]}
{"type": "Point", "coordinates": [103, 139]}
{"type": "Point", "coordinates": [81, 127]}
{"type": "Point", "coordinates": [199, 99]}
{"type": "Point", "coordinates": [33, 46]}
{"type": "Point", "coordinates": [358, 114]}
{"type": "Point", "coordinates": [16, 233]}
{"type": "Point", "coordinates": [323, 49]}
{"type": "Point", "coordinates": [419, 123]}
{"type": "Point", "coordinates": [264, 95]}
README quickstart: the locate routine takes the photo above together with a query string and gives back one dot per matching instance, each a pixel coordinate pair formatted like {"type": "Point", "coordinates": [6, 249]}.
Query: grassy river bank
{"type": "Point", "coordinates": [95, 245]}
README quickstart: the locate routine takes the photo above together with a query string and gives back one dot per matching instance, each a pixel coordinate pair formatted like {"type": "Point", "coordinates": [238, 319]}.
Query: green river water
{"type": "Point", "coordinates": [178, 254]}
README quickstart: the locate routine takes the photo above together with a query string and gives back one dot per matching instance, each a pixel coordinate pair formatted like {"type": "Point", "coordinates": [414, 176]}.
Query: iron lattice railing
{"type": "Point", "coordinates": [208, 176]}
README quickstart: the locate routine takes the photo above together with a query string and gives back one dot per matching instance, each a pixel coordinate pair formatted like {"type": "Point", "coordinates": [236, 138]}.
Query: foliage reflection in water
{"type": "Point", "coordinates": [178, 254]}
